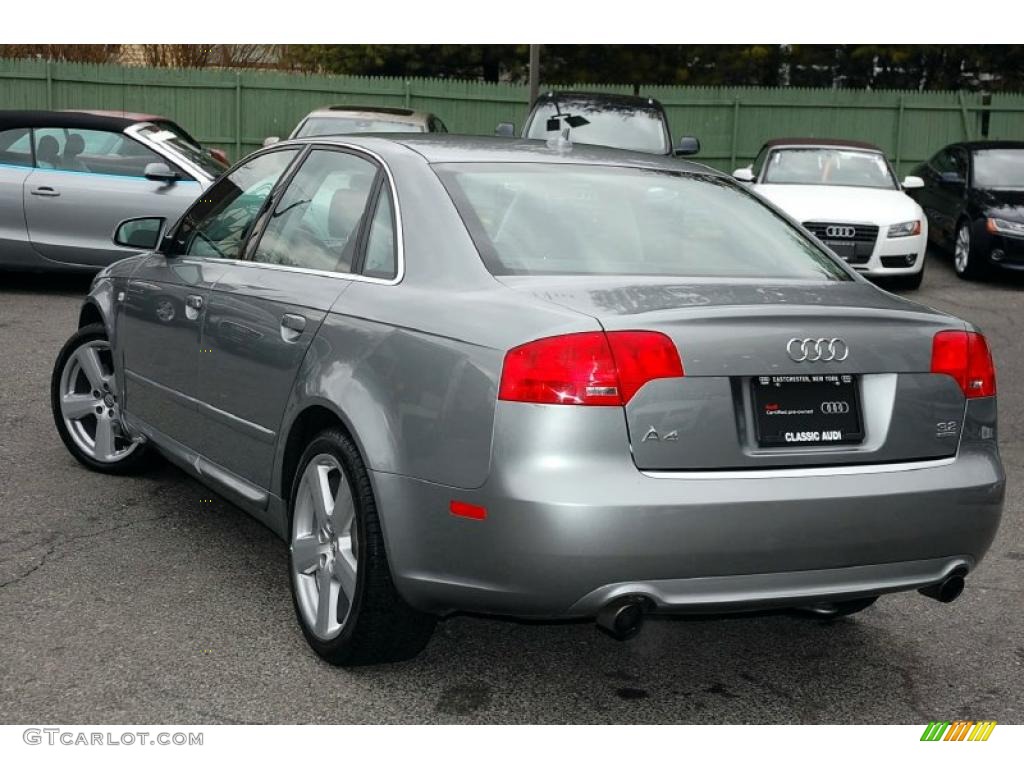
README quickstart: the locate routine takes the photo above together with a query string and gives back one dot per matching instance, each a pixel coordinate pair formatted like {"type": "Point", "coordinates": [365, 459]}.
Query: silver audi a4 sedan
{"type": "Point", "coordinates": [483, 375]}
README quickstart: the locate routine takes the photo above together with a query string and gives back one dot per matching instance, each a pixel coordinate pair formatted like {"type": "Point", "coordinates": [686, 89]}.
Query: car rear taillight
{"type": "Point", "coordinates": [593, 368]}
{"type": "Point", "coordinates": [965, 356]}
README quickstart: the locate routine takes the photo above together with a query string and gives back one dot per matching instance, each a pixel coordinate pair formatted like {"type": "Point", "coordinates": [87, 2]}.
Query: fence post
{"type": "Point", "coordinates": [408, 93]}
{"type": "Point", "coordinates": [49, 85]}
{"type": "Point", "coordinates": [238, 115]}
{"type": "Point", "coordinates": [735, 133]}
{"type": "Point", "coordinates": [963, 115]}
{"type": "Point", "coordinates": [899, 136]}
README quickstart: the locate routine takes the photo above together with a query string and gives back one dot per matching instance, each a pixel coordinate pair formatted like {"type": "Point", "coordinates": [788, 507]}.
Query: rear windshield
{"type": "Point", "coordinates": [641, 129]}
{"type": "Point", "coordinates": [559, 219]}
{"type": "Point", "coordinates": [334, 126]}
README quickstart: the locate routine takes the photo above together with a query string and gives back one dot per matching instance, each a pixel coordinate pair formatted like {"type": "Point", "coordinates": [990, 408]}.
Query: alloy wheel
{"type": "Point", "coordinates": [962, 251]}
{"type": "Point", "coordinates": [324, 547]}
{"type": "Point", "coordinates": [89, 404]}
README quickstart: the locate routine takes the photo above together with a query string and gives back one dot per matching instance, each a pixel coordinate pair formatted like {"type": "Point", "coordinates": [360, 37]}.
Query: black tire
{"type": "Point", "coordinates": [380, 627]}
{"type": "Point", "coordinates": [829, 611]}
{"type": "Point", "coordinates": [977, 263]}
{"type": "Point", "coordinates": [140, 457]}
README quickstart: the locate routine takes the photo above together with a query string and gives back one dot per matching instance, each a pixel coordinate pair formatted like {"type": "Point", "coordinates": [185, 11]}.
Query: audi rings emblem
{"type": "Point", "coordinates": [835, 408]}
{"type": "Point", "coordinates": [840, 232]}
{"type": "Point", "coordinates": [817, 350]}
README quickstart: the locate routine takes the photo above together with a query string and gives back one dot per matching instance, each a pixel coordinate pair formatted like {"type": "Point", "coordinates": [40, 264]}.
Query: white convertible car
{"type": "Point", "coordinates": [846, 194]}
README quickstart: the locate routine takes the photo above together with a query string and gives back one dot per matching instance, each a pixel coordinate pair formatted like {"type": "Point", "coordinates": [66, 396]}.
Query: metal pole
{"type": "Point", "coordinates": [534, 72]}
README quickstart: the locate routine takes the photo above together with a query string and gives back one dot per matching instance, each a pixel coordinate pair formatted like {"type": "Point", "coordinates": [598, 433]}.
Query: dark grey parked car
{"type": "Point", "coordinates": [484, 375]}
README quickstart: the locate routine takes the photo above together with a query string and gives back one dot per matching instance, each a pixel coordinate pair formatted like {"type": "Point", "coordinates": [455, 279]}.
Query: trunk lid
{"type": "Point", "coordinates": [736, 341]}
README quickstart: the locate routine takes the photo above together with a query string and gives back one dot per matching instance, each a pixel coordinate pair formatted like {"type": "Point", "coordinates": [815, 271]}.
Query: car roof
{"type": "Point", "coordinates": [600, 99]}
{"type": "Point", "coordinates": [343, 110]}
{"type": "Point", "coordinates": [971, 146]}
{"type": "Point", "coordinates": [454, 148]}
{"type": "Point", "coordinates": [10, 118]}
{"type": "Point", "coordinates": [811, 142]}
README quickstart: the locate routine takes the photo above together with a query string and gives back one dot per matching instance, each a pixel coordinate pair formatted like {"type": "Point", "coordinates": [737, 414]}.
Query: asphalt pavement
{"type": "Point", "coordinates": [152, 600]}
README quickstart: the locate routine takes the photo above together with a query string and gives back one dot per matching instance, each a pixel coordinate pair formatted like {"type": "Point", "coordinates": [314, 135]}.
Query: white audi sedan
{"type": "Point", "coordinates": [846, 194]}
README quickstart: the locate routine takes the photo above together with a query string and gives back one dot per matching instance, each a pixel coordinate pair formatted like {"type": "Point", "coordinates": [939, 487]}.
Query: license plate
{"type": "Point", "coordinates": [810, 410]}
{"type": "Point", "coordinates": [845, 251]}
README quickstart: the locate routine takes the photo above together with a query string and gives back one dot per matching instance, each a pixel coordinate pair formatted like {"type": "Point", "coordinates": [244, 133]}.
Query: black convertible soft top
{"type": "Point", "coordinates": [11, 118]}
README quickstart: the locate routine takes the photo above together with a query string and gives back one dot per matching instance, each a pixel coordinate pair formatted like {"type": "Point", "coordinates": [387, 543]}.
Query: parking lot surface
{"type": "Point", "coordinates": [150, 599]}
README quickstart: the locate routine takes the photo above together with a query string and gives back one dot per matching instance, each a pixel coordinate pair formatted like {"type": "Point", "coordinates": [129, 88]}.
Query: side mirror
{"type": "Point", "coordinates": [952, 178]}
{"type": "Point", "coordinates": [688, 145]}
{"type": "Point", "coordinates": [913, 182]}
{"type": "Point", "coordinates": [271, 140]}
{"type": "Point", "coordinates": [507, 130]}
{"type": "Point", "coordinates": [160, 172]}
{"type": "Point", "coordinates": [743, 174]}
{"type": "Point", "coordinates": [142, 233]}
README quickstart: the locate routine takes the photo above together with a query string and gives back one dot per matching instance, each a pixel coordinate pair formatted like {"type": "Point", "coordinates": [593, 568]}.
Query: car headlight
{"type": "Point", "coordinates": [905, 228]}
{"type": "Point", "coordinates": [1004, 227]}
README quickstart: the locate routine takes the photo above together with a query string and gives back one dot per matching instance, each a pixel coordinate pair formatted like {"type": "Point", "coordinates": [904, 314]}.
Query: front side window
{"type": "Point", "coordinates": [219, 223]}
{"type": "Point", "coordinates": [316, 223]}
{"type": "Point", "coordinates": [828, 166]}
{"type": "Point", "coordinates": [16, 147]}
{"type": "Point", "coordinates": [999, 168]}
{"type": "Point", "coordinates": [608, 125]}
{"type": "Point", "coordinates": [541, 219]}
{"type": "Point", "coordinates": [87, 151]}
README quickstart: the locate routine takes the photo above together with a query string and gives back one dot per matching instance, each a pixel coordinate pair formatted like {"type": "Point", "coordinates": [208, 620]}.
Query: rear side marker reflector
{"type": "Point", "coordinates": [472, 511]}
{"type": "Point", "coordinates": [965, 356]}
{"type": "Point", "coordinates": [592, 368]}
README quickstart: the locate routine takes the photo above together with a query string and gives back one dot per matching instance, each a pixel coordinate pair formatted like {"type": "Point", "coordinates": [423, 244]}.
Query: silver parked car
{"type": "Point", "coordinates": [462, 374]}
{"type": "Point", "coordinates": [68, 178]}
{"type": "Point", "coordinates": [343, 120]}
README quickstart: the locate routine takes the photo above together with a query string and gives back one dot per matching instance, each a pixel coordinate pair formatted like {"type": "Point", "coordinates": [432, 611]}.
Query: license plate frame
{"type": "Point", "coordinates": [807, 411]}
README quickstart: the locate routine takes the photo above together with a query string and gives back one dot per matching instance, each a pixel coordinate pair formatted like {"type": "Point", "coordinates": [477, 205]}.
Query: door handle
{"type": "Point", "coordinates": [45, 192]}
{"type": "Point", "coordinates": [193, 305]}
{"type": "Point", "coordinates": [292, 327]}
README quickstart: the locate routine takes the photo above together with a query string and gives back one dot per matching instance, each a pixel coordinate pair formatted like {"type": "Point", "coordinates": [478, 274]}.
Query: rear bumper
{"type": "Point", "coordinates": [567, 530]}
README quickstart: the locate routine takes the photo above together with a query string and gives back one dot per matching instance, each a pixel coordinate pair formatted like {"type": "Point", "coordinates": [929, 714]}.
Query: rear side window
{"type": "Point", "coordinates": [556, 219]}
{"type": "Point", "coordinates": [87, 151]}
{"type": "Point", "coordinates": [16, 147]}
{"type": "Point", "coordinates": [381, 256]}
{"type": "Point", "coordinates": [317, 222]}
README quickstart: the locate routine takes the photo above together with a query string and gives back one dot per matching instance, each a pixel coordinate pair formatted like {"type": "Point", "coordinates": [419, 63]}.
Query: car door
{"type": "Point", "coordinates": [946, 198]}
{"type": "Point", "coordinates": [15, 168]}
{"type": "Point", "coordinates": [85, 183]}
{"type": "Point", "coordinates": [264, 312]}
{"type": "Point", "coordinates": [160, 323]}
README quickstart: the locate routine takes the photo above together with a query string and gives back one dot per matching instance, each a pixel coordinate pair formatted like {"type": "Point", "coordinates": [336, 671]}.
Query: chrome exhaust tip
{"type": "Point", "coordinates": [947, 590]}
{"type": "Point", "coordinates": [622, 618]}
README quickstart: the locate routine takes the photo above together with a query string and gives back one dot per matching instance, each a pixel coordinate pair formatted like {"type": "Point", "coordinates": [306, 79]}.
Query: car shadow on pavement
{"type": "Point", "coordinates": [54, 283]}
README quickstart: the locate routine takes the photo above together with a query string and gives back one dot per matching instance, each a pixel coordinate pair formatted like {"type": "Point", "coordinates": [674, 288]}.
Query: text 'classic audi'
{"type": "Point", "coordinates": [462, 374]}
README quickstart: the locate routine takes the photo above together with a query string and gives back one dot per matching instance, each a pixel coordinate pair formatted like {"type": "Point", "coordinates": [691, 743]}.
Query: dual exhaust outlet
{"type": "Point", "coordinates": [623, 617]}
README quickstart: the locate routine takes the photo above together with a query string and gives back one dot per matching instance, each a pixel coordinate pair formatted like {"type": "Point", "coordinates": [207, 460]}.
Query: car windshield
{"type": "Point", "coordinates": [999, 168]}
{"type": "Point", "coordinates": [624, 126]}
{"type": "Point", "coordinates": [184, 146]}
{"type": "Point", "coordinates": [828, 166]}
{"type": "Point", "coordinates": [556, 219]}
{"type": "Point", "coordinates": [332, 126]}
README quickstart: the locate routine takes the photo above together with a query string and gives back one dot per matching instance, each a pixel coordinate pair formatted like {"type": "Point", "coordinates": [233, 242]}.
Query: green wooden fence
{"type": "Point", "coordinates": [237, 110]}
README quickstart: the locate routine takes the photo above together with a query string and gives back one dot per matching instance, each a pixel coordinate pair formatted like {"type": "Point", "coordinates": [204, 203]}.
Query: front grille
{"type": "Point", "coordinates": [855, 247]}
